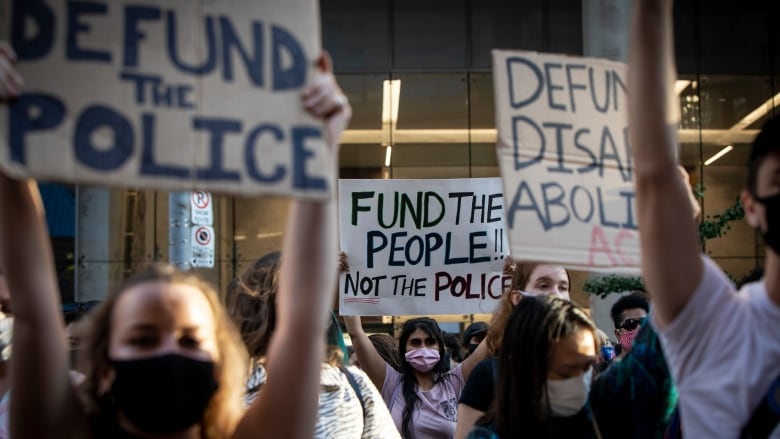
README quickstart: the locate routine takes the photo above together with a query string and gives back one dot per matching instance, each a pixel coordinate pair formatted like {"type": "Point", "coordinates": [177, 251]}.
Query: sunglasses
{"type": "Point", "coordinates": [631, 324]}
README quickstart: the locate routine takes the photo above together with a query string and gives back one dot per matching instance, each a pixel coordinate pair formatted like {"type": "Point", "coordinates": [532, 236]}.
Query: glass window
{"type": "Point", "coordinates": [355, 33]}
{"type": "Point", "coordinates": [429, 34]}
{"type": "Point", "coordinates": [734, 37]}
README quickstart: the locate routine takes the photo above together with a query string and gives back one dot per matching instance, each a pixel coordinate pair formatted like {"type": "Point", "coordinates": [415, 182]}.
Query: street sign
{"type": "Point", "coordinates": [202, 246]}
{"type": "Point", "coordinates": [202, 208]}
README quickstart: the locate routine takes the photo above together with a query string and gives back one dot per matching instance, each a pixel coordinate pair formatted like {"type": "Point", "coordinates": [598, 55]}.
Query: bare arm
{"type": "Point", "coordinates": [370, 361]}
{"type": "Point", "coordinates": [467, 417]}
{"type": "Point", "coordinates": [287, 406]}
{"type": "Point", "coordinates": [671, 263]}
{"type": "Point", "coordinates": [43, 402]}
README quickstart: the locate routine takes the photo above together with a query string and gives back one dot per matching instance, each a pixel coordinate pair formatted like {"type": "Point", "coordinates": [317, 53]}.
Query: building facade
{"type": "Point", "coordinates": [727, 53]}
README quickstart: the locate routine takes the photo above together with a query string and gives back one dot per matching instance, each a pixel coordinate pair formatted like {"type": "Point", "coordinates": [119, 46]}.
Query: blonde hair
{"type": "Point", "coordinates": [226, 405]}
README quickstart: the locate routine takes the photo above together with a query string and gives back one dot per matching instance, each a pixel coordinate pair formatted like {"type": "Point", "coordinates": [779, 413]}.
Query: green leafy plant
{"type": "Point", "coordinates": [606, 285]}
{"type": "Point", "coordinates": [715, 226]}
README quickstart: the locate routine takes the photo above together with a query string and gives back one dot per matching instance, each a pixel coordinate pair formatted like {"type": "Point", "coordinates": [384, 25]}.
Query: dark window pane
{"type": "Point", "coordinates": [429, 34]}
{"type": "Point", "coordinates": [355, 33]}
{"type": "Point", "coordinates": [734, 37]}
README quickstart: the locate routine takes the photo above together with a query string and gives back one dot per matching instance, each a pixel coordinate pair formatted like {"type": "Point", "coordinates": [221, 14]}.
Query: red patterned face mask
{"type": "Point", "coordinates": [627, 338]}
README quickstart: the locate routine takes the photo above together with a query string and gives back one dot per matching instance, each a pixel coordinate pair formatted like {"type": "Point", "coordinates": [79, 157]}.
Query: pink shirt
{"type": "Point", "coordinates": [437, 413]}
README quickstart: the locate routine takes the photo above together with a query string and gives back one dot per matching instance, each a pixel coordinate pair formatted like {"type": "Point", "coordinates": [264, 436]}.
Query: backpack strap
{"type": "Point", "coordinates": [766, 417]}
{"type": "Point", "coordinates": [353, 382]}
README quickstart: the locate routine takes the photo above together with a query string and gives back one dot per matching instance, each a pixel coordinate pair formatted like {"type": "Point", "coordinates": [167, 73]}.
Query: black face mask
{"type": "Point", "coordinates": [772, 234]}
{"type": "Point", "coordinates": [163, 394]}
{"type": "Point", "coordinates": [472, 348]}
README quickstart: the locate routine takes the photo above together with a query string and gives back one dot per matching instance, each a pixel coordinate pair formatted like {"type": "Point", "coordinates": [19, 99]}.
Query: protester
{"type": "Point", "coordinates": [452, 344]}
{"type": "Point", "coordinates": [635, 396]}
{"type": "Point", "coordinates": [722, 346]}
{"type": "Point", "coordinates": [544, 373]}
{"type": "Point", "coordinates": [531, 278]}
{"type": "Point", "coordinates": [527, 278]}
{"type": "Point", "coordinates": [628, 314]}
{"type": "Point", "coordinates": [473, 336]}
{"type": "Point", "coordinates": [350, 406]}
{"type": "Point", "coordinates": [423, 394]}
{"type": "Point", "coordinates": [606, 352]}
{"type": "Point", "coordinates": [165, 359]}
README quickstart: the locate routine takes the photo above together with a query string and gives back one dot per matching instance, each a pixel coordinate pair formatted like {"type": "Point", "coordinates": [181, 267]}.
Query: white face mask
{"type": "Point", "coordinates": [567, 397]}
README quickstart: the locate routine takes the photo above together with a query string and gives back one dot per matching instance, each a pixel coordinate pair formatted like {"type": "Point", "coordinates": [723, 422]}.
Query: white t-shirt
{"type": "Point", "coordinates": [724, 352]}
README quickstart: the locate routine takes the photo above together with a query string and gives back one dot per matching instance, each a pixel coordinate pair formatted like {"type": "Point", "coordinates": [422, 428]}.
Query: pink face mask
{"type": "Point", "coordinates": [627, 338]}
{"type": "Point", "coordinates": [423, 359]}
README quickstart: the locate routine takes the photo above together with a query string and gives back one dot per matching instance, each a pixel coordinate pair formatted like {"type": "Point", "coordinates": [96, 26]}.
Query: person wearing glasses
{"type": "Point", "coordinates": [628, 314]}
{"type": "Point", "coordinates": [635, 396]}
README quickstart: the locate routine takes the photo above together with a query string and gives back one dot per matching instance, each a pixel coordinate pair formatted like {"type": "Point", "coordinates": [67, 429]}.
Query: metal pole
{"type": "Point", "coordinates": [179, 246]}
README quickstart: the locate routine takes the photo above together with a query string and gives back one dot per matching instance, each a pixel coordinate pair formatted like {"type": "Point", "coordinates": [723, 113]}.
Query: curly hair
{"type": "Point", "coordinates": [226, 405]}
{"type": "Point", "coordinates": [637, 299]}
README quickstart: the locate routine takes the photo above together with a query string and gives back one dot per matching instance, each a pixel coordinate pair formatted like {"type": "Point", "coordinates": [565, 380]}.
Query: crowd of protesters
{"type": "Point", "coordinates": [165, 357]}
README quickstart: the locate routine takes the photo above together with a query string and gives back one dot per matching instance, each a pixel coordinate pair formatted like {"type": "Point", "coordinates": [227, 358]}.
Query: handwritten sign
{"type": "Point", "coordinates": [422, 246]}
{"type": "Point", "coordinates": [565, 160]}
{"type": "Point", "coordinates": [170, 94]}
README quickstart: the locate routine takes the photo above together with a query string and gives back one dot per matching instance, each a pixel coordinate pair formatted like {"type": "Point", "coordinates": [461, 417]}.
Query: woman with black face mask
{"type": "Point", "coordinates": [165, 360]}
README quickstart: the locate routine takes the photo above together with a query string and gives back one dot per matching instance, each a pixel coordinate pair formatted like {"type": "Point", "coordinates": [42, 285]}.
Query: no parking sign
{"type": "Point", "coordinates": [200, 208]}
{"type": "Point", "coordinates": [202, 246]}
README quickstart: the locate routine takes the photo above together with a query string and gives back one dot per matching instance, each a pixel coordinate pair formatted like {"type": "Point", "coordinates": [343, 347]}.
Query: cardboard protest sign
{"type": "Point", "coordinates": [422, 246]}
{"type": "Point", "coordinates": [565, 160]}
{"type": "Point", "coordinates": [170, 94]}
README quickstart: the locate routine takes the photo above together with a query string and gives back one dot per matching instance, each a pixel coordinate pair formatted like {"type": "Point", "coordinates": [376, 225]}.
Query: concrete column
{"type": "Point", "coordinates": [92, 266]}
{"type": "Point", "coordinates": [605, 26]}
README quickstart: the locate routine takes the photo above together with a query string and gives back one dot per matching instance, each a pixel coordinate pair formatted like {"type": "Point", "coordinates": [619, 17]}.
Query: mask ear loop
{"type": "Point", "coordinates": [524, 294]}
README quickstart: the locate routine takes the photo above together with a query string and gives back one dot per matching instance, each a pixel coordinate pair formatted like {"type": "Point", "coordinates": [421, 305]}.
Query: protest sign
{"type": "Point", "coordinates": [422, 246]}
{"type": "Point", "coordinates": [169, 94]}
{"type": "Point", "coordinates": [565, 160]}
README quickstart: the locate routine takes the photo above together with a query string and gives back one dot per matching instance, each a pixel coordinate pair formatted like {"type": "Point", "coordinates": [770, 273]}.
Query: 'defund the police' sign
{"type": "Point", "coordinates": [170, 94]}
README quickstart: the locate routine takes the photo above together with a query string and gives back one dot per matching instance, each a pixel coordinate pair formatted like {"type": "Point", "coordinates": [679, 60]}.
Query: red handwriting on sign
{"type": "Point", "coordinates": [615, 251]}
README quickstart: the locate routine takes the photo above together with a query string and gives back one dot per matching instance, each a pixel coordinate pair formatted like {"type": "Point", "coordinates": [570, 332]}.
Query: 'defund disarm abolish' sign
{"type": "Point", "coordinates": [565, 160]}
{"type": "Point", "coordinates": [169, 94]}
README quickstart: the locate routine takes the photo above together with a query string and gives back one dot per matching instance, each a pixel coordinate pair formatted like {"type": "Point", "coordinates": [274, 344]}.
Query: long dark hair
{"type": "Point", "coordinates": [251, 303]}
{"type": "Point", "coordinates": [409, 381]}
{"type": "Point", "coordinates": [534, 328]}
